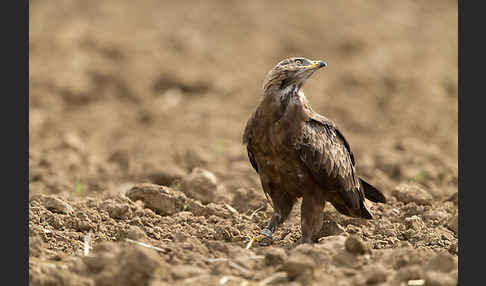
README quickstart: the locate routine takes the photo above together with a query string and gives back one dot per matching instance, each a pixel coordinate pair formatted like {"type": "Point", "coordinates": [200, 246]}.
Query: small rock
{"type": "Point", "coordinates": [414, 222]}
{"type": "Point", "coordinates": [433, 278]}
{"type": "Point", "coordinates": [406, 256]}
{"type": "Point", "coordinates": [452, 224]}
{"type": "Point", "coordinates": [412, 192]}
{"type": "Point", "coordinates": [197, 208]}
{"type": "Point", "coordinates": [435, 215]}
{"type": "Point", "coordinates": [132, 232]}
{"type": "Point", "coordinates": [321, 254]}
{"type": "Point", "coordinates": [121, 158]}
{"type": "Point", "coordinates": [354, 245]}
{"type": "Point", "coordinates": [330, 228]}
{"type": "Point", "coordinates": [116, 211]}
{"type": "Point", "coordinates": [101, 255]}
{"type": "Point", "coordinates": [346, 259]}
{"type": "Point", "coordinates": [73, 141]}
{"type": "Point", "coordinates": [186, 271]}
{"type": "Point", "coordinates": [298, 264]}
{"type": "Point", "coordinates": [454, 248]}
{"type": "Point", "coordinates": [56, 205]}
{"type": "Point", "coordinates": [163, 200]}
{"type": "Point", "coordinates": [413, 272]}
{"type": "Point", "coordinates": [213, 209]}
{"type": "Point", "coordinates": [136, 265]}
{"type": "Point", "coordinates": [200, 185]}
{"type": "Point", "coordinates": [193, 158]}
{"type": "Point", "coordinates": [275, 256]}
{"type": "Point", "coordinates": [166, 176]}
{"type": "Point", "coordinates": [375, 274]}
{"type": "Point", "coordinates": [442, 262]}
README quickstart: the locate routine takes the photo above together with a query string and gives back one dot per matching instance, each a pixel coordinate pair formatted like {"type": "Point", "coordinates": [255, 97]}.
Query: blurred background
{"type": "Point", "coordinates": [134, 91]}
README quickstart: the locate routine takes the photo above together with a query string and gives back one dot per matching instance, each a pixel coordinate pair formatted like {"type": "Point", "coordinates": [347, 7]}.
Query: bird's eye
{"type": "Point", "coordinates": [299, 62]}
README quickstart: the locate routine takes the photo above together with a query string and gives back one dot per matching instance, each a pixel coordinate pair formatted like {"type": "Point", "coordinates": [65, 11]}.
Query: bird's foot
{"type": "Point", "coordinates": [264, 238]}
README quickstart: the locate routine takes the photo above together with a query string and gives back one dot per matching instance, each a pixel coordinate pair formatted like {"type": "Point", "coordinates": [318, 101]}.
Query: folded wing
{"type": "Point", "coordinates": [327, 155]}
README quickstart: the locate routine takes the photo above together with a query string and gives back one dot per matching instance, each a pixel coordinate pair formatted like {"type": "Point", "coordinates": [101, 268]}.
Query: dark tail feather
{"type": "Point", "coordinates": [362, 212]}
{"type": "Point", "coordinates": [371, 193]}
{"type": "Point", "coordinates": [365, 213]}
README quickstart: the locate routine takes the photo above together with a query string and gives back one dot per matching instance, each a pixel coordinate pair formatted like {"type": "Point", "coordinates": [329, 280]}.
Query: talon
{"type": "Point", "coordinates": [267, 233]}
{"type": "Point", "coordinates": [256, 238]}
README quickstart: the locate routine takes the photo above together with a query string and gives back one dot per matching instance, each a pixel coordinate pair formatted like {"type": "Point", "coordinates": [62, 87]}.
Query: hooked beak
{"type": "Point", "coordinates": [318, 64]}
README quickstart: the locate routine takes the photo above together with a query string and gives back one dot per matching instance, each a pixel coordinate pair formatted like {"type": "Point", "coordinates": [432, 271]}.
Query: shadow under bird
{"type": "Point", "coordinates": [300, 153]}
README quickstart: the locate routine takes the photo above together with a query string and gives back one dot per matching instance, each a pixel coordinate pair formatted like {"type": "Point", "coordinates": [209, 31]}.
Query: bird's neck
{"type": "Point", "coordinates": [279, 102]}
{"type": "Point", "coordinates": [291, 94]}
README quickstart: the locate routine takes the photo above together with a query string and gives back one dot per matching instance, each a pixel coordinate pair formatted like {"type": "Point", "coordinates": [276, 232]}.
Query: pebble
{"type": "Point", "coordinates": [375, 274]}
{"type": "Point", "coordinates": [413, 272]}
{"type": "Point", "coordinates": [411, 192]}
{"type": "Point", "coordinates": [132, 232]}
{"type": "Point", "coordinates": [434, 278]}
{"type": "Point", "coordinates": [442, 262]}
{"type": "Point", "coordinates": [166, 176]}
{"type": "Point", "coordinates": [452, 223]}
{"type": "Point", "coordinates": [298, 264]}
{"type": "Point", "coordinates": [201, 185]}
{"type": "Point", "coordinates": [275, 256]}
{"type": "Point", "coordinates": [56, 205]}
{"type": "Point", "coordinates": [354, 245]}
{"type": "Point", "coordinates": [162, 200]}
{"type": "Point", "coordinates": [414, 222]}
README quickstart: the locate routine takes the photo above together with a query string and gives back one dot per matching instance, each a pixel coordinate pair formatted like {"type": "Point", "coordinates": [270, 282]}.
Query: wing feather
{"type": "Point", "coordinates": [326, 153]}
{"type": "Point", "coordinates": [252, 159]}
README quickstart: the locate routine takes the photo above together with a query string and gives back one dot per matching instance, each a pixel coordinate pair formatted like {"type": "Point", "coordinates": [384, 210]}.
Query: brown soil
{"type": "Point", "coordinates": [136, 115]}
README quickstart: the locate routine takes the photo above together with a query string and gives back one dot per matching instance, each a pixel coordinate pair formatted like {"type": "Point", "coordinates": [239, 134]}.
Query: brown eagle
{"type": "Point", "coordinates": [300, 153]}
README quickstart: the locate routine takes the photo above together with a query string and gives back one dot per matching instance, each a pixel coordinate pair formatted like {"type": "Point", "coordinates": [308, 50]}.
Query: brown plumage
{"type": "Point", "coordinates": [299, 153]}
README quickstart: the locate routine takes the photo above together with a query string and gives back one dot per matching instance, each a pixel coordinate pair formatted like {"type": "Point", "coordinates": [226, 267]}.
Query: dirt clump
{"type": "Point", "coordinates": [166, 176]}
{"type": "Point", "coordinates": [137, 265]}
{"type": "Point", "coordinates": [408, 193]}
{"type": "Point", "coordinates": [275, 256]}
{"type": "Point", "coordinates": [375, 274]}
{"type": "Point", "coordinates": [54, 204]}
{"type": "Point", "coordinates": [161, 199]}
{"type": "Point", "coordinates": [299, 265]}
{"type": "Point", "coordinates": [354, 245]}
{"type": "Point", "coordinates": [200, 185]}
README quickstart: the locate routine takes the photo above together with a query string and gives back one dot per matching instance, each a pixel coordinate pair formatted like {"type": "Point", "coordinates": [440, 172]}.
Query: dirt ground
{"type": "Point", "coordinates": [137, 173]}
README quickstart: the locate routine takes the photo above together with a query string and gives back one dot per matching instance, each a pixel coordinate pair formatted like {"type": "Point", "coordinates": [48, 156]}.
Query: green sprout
{"type": "Point", "coordinates": [219, 147]}
{"type": "Point", "coordinates": [420, 176]}
{"type": "Point", "coordinates": [78, 187]}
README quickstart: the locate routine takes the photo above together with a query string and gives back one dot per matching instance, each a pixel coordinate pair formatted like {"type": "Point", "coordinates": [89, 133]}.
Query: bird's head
{"type": "Point", "coordinates": [291, 71]}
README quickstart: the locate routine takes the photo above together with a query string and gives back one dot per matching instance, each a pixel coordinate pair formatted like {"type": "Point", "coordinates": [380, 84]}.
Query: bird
{"type": "Point", "coordinates": [298, 153]}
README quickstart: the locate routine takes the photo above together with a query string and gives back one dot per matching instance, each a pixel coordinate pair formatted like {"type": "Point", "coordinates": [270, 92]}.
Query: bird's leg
{"type": "Point", "coordinates": [277, 219]}
{"type": "Point", "coordinates": [311, 214]}
{"type": "Point", "coordinates": [283, 206]}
